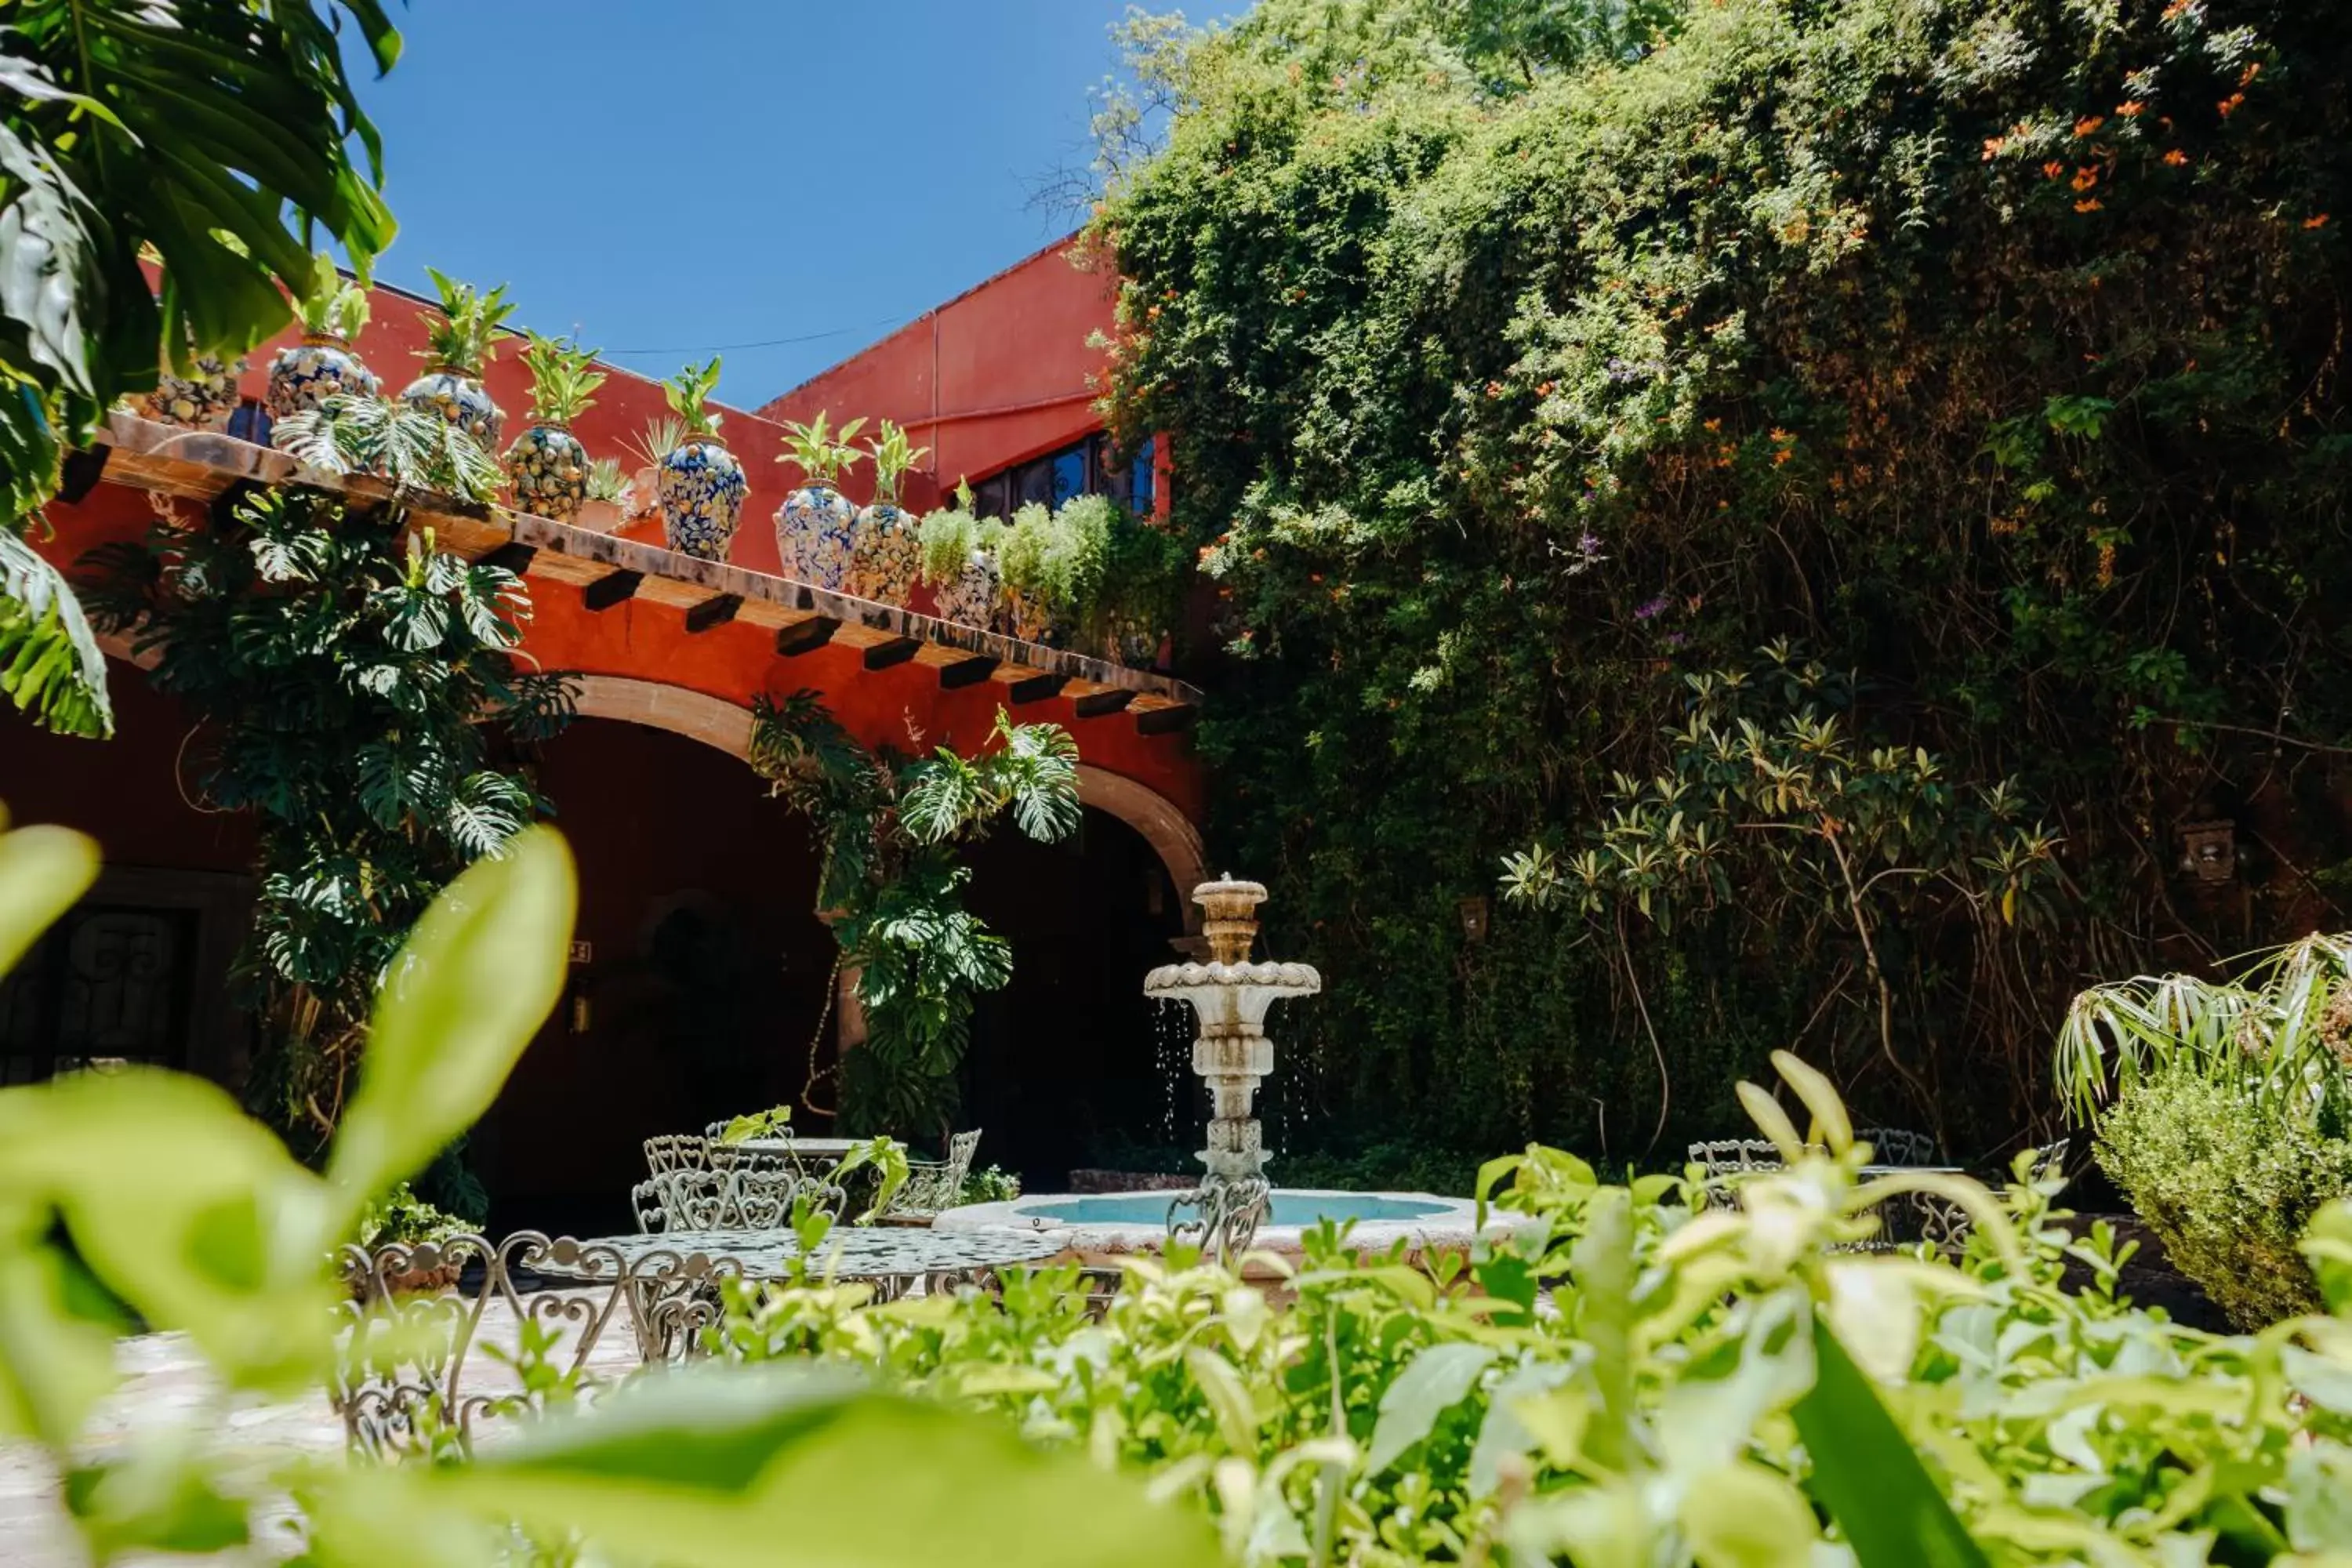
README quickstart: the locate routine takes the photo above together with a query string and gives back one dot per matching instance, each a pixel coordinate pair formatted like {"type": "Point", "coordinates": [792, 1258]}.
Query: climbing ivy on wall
{"type": "Point", "coordinates": [354, 689]}
{"type": "Point", "coordinates": [889, 828]}
{"type": "Point", "coordinates": [1907, 432]}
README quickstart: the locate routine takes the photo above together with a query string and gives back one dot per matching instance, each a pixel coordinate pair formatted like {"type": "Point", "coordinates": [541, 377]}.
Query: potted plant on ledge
{"type": "Point", "coordinates": [200, 396]}
{"type": "Point", "coordinates": [959, 552]}
{"type": "Point", "coordinates": [815, 525]}
{"type": "Point", "coordinates": [457, 347]}
{"type": "Point", "coordinates": [701, 482]}
{"type": "Point", "coordinates": [607, 505]}
{"type": "Point", "coordinates": [547, 465]}
{"type": "Point", "coordinates": [889, 551]}
{"type": "Point", "coordinates": [323, 364]}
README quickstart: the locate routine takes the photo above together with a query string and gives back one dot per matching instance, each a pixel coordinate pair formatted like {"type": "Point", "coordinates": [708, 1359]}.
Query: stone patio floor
{"type": "Point", "coordinates": [165, 1384]}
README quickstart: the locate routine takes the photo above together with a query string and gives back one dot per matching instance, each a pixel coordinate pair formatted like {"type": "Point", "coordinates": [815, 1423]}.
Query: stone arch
{"type": "Point", "coordinates": [713, 721]}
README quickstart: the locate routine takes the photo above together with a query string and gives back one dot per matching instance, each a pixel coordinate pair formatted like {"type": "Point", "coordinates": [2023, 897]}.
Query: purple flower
{"type": "Point", "coordinates": [1675, 639]}
{"type": "Point", "coordinates": [1651, 610]}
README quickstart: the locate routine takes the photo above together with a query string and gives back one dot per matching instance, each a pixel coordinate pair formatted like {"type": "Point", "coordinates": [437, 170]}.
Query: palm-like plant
{"type": "Point", "coordinates": [658, 440]}
{"type": "Point", "coordinates": [563, 378]}
{"type": "Point", "coordinates": [129, 126]}
{"type": "Point", "coordinates": [335, 305]}
{"type": "Point", "coordinates": [416, 448]}
{"type": "Point", "coordinates": [822, 455]}
{"type": "Point", "coordinates": [688, 392]}
{"type": "Point", "coordinates": [2283, 1027]}
{"type": "Point", "coordinates": [462, 334]}
{"type": "Point", "coordinates": [894, 454]}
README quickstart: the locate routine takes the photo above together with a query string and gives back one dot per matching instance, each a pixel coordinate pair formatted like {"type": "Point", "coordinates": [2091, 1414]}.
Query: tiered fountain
{"type": "Point", "coordinates": [1231, 994]}
{"type": "Point", "coordinates": [1232, 1210]}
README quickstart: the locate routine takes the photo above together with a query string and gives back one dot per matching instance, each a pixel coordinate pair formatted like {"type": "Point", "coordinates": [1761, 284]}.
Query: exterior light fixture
{"type": "Point", "coordinates": [1473, 911]}
{"type": "Point", "coordinates": [2209, 850]}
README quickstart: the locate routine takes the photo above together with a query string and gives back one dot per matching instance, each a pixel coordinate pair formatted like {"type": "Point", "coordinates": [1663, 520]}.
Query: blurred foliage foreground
{"type": "Point", "coordinates": [1620, 1378]}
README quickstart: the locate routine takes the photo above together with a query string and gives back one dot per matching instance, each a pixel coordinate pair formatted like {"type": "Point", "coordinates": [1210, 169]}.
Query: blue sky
{"type": "Point", "coordinates": [692, 175]}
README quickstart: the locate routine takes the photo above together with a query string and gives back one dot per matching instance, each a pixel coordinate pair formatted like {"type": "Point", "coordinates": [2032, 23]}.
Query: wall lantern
{"type": "Point", "coordinates": [1474, 913]}
{"type": "Point", "coordinates": [2209, 850]}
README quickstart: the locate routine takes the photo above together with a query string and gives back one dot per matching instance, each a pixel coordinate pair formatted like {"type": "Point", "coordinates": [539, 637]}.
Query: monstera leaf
{"type": "Point", "coordinates": [199, 136]}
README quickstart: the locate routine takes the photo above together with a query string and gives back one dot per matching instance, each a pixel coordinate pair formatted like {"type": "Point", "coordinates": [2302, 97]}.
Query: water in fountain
{"type": "Point", "coordinates": [1171, 1044]}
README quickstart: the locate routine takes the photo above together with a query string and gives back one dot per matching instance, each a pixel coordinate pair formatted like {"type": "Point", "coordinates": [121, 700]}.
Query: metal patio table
{"type": "Point", "coordinates": [892, 1259]}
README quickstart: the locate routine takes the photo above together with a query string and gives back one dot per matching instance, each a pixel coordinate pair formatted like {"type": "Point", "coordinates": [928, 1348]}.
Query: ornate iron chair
{"type": "Point", "coordinates": [677, 1151]}
{"type": "Point", "coordinates": [739, 1199]}
{"type": "Point", "coordinates": [409, 1377]}
{"type": "Point", "coordinates": [648, 1202]}
{"type": "Point", "coordinates": [935, 1185]}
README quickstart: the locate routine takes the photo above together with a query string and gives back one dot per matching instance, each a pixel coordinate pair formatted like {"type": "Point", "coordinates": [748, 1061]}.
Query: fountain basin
{"type": "Point", "coordinates": [1104, 1225]}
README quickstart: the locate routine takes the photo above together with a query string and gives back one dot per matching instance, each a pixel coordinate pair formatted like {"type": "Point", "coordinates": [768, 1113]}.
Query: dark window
{"type": "Point", "coordinates": [1091, 467]}
{"type": "Point", "coordinates": [1142, 486]}
{"type": "Point", "coordinates": [990, 497]}
{"type": "Point", "coordinates": [1069, 474]}
{"type": "Point", "coordinates": [1034, 481]}
{"type": "Point", "coordinates": [108, 982]}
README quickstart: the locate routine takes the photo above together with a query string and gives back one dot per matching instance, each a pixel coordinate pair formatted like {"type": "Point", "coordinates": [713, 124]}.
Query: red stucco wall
{"type": "Point", "coordinates": [1000, 374]}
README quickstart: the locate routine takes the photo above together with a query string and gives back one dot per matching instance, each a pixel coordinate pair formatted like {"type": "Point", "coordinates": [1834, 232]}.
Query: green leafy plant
{"type": "Point", "coordinates": [1055, 559]}
{"type": "Point", "coordinates": [894, 454]}
{"type": "Point", "coordinates": [888, 829]}
{"type": "Point", "coordinates": [416, 448]}
{"type": "Point", "coordinates": [354, 680]}
{"type": "Point", "coordinates": [563, 377]}
{"type": "Point", "coordinates": [462, 336]}
{"type": "Point", "coordinates": [1623, 1376]}
{"type": "Point", "coordinates": [2228, 1182]}
{"type": "Point", "coordinates": [399, 1216]}
{"type": "Point", "coordinates": [1504, 397]}
{"type": "Point", "coordinates": [822, 455]}
{"type": "Point", "coordinates": [950, 536]}
{"type": "Point", "coordinates": [333, 305]}
{"type": "Point", "coordinates": [126, 132]}
{"type": "Point", "coordinates": [688, 392]}
{"type": "Point", "coordinates": [158, 1200]}
{"type": "Point", "coordinates": [886, 1157]}
{"type": "Point", "coordinates": [775, 1122]}
{"type": "Point", "coordinates": [989, 1184]}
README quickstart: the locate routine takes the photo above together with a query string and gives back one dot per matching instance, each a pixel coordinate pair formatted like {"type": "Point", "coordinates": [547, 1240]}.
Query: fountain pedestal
{"type": "Point", "coordinates": [1231, 994]}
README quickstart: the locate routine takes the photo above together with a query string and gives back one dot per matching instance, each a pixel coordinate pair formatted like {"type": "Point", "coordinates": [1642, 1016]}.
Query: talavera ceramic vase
{"type": "Point", "coordinates": [885, 555]}
{"type": "Point", "coordinates": [548, 469]}
{"type": "Point", "coordinates": [1028, 619]}
{"type": "Point", "coordinates": [201, 400]}
{"type": "Point", "coordinates": [460, 399]}
{"type": "Point", "coordinates": [320, 366]}
{"type": "Point", "coordinates": [701, 486]}
{"type": "Point", "coordinates": [814, 533]}
{"type": "Point", "coordinates": [971, 598]}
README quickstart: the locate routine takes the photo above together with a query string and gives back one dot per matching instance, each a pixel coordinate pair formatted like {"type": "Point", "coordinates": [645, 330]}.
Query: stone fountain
{"type": "Point", "coordinates": [1231, 994]}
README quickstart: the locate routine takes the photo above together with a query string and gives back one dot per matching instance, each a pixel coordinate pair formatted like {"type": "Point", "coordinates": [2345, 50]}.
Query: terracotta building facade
{"type": "Point", "coordinates": [702, 971]}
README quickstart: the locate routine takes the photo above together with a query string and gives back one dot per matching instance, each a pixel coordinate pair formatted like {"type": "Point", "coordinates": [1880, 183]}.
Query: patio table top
{"type": "Point", "coordinates": [847, 1252]}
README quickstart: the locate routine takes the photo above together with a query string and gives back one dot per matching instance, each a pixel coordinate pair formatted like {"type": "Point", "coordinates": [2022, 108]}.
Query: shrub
{"type": "Point", "coordinates": [2228, 1184]}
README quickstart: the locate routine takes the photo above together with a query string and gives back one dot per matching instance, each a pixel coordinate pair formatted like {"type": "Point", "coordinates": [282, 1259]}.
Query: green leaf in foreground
{"type": "Point", "coordinates": [470, 988]}
{"type": "Point", "coordinates": [1867, 1475]}
{"type": "Point", "coordinates": [727, 1468]}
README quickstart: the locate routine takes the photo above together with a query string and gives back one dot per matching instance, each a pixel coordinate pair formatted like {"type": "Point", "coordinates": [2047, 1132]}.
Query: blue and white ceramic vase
{"type": "Point", "coordinates": [701, 486]}
{"type": "Point", "coordinates": [971, 598]}
{"type": "Point", "coordinates": [548, 469]}
{"type": "Point", "coordinates": [815, 531]}
{"type": "Point", "coordinates": [322, 365]}
{"type": "Point", "coordinates": [885, 556]}
{"type": "Point", "coordinates": [201, 400]}
{"type": "Point", "coordinates": [460, 399]}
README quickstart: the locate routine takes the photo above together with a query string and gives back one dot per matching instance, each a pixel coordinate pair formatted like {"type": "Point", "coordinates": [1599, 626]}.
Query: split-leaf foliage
{"type": "Point", "coordinates": [200, 135]}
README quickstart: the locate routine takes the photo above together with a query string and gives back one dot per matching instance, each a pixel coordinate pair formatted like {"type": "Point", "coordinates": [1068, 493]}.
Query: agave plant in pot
{"type": "Point", "coordinates": [547, 465]}
{"type": "Point", "coordinates": [888, 553]}
{"type": "Point", "coordinates": [958, 561]}
{"type": "Point", "coordinates": [815, 524]}
{"type": "Point", "coordinates": [323, 364]}
{"type": "Point", "coordinates": [607, 506]}
{"type": "Point", "coordinates": [458, 346]}
{"type": "Point", "coordinates": [700, 483]}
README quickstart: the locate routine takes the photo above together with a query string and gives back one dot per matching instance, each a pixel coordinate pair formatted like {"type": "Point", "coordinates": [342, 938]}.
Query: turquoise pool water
{"type": "Point", "coordinates": [1289, 1208]}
